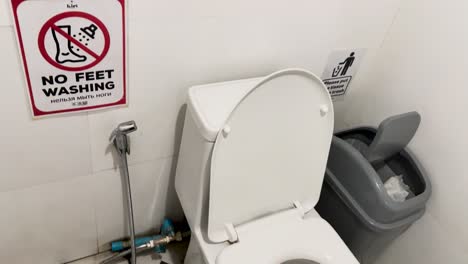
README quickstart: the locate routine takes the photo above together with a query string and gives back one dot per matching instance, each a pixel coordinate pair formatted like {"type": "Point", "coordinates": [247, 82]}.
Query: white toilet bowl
{"type": "Point", "coordinates": [250, 171]}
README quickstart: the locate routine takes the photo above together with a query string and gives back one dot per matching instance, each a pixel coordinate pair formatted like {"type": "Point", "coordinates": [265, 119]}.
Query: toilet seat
{"type": "Point", "coordinates": [287, 236]}
{"type": "Point", "coordinates": [271, 151]}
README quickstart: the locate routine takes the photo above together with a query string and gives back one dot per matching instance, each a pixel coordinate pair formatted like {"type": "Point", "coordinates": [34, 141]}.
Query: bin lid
{"type": "Point", "coordinates": [271, 151]}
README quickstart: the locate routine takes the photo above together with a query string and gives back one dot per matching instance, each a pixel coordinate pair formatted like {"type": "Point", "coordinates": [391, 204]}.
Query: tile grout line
{"type": "Point", "coordinates": [85, 257]}
{"type": "Point", "coordinates": [64, 180]}
{"type": "Point", "coordinates": [91, 163]}
{"type": "Point", "coordinates": [90, 147]}
{"type": "Point", "coordinates": [96, 222]}
{"type": "Point", "coordinates": [136, 163]}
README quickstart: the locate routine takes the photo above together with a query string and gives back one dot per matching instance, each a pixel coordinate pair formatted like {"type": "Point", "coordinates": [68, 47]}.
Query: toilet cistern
{"type": "Point", "coordinates": [250, 170]}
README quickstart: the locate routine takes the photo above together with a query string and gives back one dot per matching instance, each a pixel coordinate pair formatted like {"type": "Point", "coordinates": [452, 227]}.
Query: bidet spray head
{"type": "Point", "coordinates": [127, 127]}
{"type": "Point", "coordinates": [119, 136]}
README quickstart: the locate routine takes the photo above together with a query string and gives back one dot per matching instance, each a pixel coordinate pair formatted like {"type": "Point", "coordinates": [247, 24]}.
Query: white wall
{"type": "Point", "coordinates": [60, 195]}
{"type": "Point", "coordinates": [422, 66]}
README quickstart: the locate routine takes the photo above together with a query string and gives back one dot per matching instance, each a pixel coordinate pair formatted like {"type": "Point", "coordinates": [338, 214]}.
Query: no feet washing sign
{"type": "Point", "coordinates": [73, 53]}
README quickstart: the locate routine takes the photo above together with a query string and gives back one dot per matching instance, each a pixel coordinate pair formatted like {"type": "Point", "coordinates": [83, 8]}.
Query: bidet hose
{"type": "Point", "coordinates": [129, 206]}
{"type": "Point", "coordinates": [122, 145]}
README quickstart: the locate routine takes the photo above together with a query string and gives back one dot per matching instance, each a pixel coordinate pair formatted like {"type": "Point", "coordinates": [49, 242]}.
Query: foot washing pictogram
{"type": "Point", "coordinates": [74, 41]}
{"type": "Point", "coordinates": [67, 51]}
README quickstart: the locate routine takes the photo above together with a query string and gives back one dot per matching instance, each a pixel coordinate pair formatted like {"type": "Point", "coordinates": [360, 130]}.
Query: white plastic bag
{"type": "Point", "coordinates": [396, 188]}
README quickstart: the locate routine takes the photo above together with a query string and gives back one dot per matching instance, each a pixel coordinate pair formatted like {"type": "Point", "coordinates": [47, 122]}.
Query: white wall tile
{"type": "Point", "coordinates": [5, 17]}
{"type": "Point", "coordinates": [39, 151]}
{"type": "Point", "coordinates": [154, 138]}
{"type": "Point", "coordinates": [153, 195]}
{"type": "Point", "coordinates": [50, 223]}
{"type": "Point", "coordinates": [425, 242]}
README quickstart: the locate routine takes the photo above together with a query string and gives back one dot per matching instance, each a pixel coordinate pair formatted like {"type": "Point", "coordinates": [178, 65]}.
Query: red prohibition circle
{"type": "Point", "coordinates": [51, 23]}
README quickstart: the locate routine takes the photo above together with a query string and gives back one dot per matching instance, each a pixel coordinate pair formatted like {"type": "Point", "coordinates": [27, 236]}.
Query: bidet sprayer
{"type": "Point", "coordinates": [119, 136]}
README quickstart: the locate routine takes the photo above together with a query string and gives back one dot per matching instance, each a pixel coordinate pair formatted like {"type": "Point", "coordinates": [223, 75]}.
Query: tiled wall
{"type": "Point", "coordinates": [60, 194]}
{"type": "Point", "coordinates": [422, 66]}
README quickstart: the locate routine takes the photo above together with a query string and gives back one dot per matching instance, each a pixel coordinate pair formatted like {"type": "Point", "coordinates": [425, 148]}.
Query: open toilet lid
{"type": "Point", "coordinates": [271, 152]}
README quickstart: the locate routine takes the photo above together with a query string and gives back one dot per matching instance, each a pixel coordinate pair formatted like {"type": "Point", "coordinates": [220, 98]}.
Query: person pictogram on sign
{"type": "Point", "coordinates": [344, 66]}
{"type": "Point", "coordinates": [65, 50]}
{"type": "Point", "coordinates": [348, 62]}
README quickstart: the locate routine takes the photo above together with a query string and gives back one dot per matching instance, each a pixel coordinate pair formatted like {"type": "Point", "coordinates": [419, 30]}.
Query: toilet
{"type": "Point", "coordinates": [250, 170]}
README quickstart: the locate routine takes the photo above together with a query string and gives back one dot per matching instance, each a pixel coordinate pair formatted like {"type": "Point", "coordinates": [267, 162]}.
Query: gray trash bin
{"type": "Point", "coordinates": [354, 200]}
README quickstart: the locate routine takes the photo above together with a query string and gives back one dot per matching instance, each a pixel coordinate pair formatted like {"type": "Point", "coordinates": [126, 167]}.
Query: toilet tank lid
{"type": "Point", "coordinates": [211, 104]}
